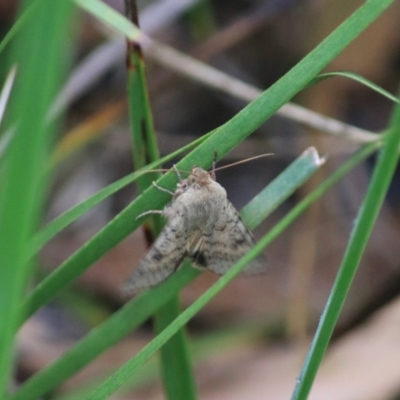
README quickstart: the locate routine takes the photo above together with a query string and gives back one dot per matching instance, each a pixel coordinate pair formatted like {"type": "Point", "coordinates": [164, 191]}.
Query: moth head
{"type": "Point", "coordinates": [198, 176]}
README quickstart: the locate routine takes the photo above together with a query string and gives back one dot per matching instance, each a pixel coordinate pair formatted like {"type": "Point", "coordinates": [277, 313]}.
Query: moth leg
{"type": "Point", "coordinates": [177, 172]}
{"type": "Point", "coordinates": [149, 212]}
{"type": "Point", "coordinates": [162, 189]}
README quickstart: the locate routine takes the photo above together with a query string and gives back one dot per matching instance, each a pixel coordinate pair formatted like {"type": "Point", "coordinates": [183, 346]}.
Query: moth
{"type": "Point", "coordinates": [203, 226]}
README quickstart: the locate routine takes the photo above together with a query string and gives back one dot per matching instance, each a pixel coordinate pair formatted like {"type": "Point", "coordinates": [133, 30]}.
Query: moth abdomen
{"type": "Point", "coordinates": [199, 259]}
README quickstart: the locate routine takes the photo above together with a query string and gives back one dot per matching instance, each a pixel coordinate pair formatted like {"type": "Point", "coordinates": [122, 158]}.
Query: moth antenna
{"type": "Point", "coordinates": [165, 170]}
{"type": "Point", "coordinates": [148, 171]}
{"type": "Point", "coordinates": [241, 162]}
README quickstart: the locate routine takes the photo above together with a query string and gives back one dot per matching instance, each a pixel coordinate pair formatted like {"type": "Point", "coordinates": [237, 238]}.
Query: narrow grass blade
{"type": "Point", "coordinates": [176, 363]}
{"type": "Point", "coordinates": [111, 17]}
{"type": "Point", "coordinates": [178, 379]}
{"type": "Point", "coordinates": [282, 187]}
{"type": "Point", "coordinates": [358, 78]}
{"type": "Point", "coordinates": [19, 23]}
{"type": "Point", "coordinates": [365, 221]}
{"type": "Point", "coordinates": [21, 191]}
{"type": "Point", "coordinates": [142, 307]}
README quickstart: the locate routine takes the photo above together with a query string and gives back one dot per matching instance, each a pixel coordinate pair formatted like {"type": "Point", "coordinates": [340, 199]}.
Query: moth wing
{"type": "Point", "coordinates": [226, 244]}
{"type": "Point", "coordinates": [164, 258]}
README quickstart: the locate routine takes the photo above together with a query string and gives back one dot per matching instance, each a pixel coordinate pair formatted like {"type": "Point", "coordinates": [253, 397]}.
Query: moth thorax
{"type": "Point", "coordinates": [199, 176]}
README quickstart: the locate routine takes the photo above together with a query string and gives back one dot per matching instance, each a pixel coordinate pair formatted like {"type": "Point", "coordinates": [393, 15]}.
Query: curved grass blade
{"type": "Point", "coordinates": [358, 78]}
{"type": "Point", "coordinates": [22, 190]}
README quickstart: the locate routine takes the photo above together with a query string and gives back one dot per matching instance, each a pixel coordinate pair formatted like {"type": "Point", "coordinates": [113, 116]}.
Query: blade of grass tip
{"type": "Point", "coordinates": [129, 317]}
{"type": "Point", "coordinates": [282, 187]}
{"type": "Point", "coordinates": [177, 374]}
{"type": "Point", "coordinates": [358, 78]}
{"type": "Point", "coordinates": [22, 190]}
{"type": "Point", "coordinates": [365, 221]}
{"type": "Point", "coordinates": [122, 374]}
{"type": "Point", "coordinates": [223, 140]}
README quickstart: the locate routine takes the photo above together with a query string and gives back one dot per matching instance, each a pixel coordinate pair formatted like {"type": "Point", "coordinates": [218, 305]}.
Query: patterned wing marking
{"type": "Point", "coordinates": [229, 241]}
{"type": "Point", "coordinates": [162, 260]}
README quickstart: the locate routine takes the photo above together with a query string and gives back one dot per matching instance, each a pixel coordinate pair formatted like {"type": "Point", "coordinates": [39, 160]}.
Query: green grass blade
{"type": "Point", "coordinates": [178, 379]}
{"type": "Point", "coordinates": [21, 192]}
{"type": "Point", "coordinates": [19, 23]}
{"type": "Point", "coordinates": [111, 17]}
{"type": "Point", "coordinates": [282, 187]}
{"type": "Point", "coordinates": [123, 373]}
{"type": "Point", "coordinates": [223, 140]}
{"type": "Point", "coordinates": [176, 365]}
{"type": "Point", "coordinates": [365, 221]}
{"type": "Point", "coordinates": [358, 78]}
{"type": "Point", "coordinates": [142, 307]}
{"type": "Point", "coordinates": [145, 149]}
